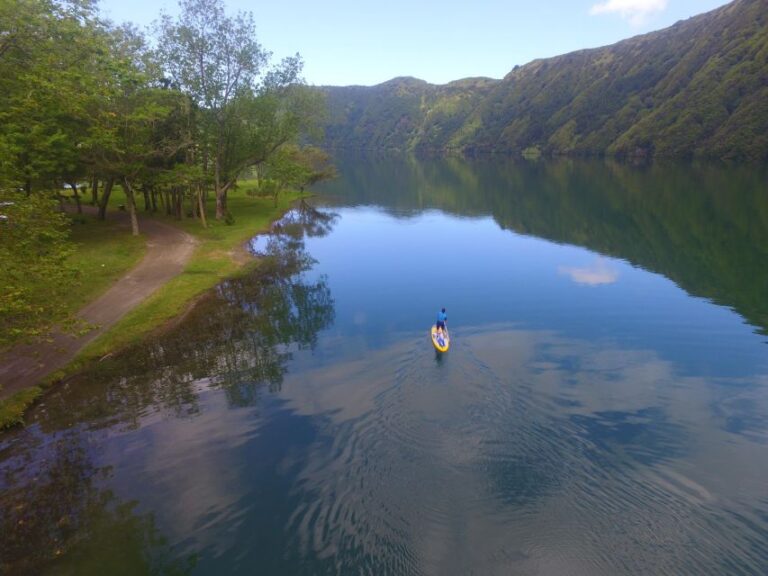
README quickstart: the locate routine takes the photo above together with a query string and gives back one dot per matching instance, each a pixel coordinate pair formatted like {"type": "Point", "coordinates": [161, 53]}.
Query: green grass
{"type": "Point", "coordinates": [211, 263]}
{"type": "Point", "coordinates": [12, 409]}
{"type": "Point", "coordinates": [103, 253]}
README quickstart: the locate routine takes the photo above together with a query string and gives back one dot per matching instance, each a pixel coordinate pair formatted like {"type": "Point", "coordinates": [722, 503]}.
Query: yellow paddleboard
{"type": "Point", "coordinates": [441, 341]}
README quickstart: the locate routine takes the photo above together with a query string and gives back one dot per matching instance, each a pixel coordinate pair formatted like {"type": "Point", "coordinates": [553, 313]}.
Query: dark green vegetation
{"type": "Point", "coordinates": [402, 114]}
{"type": "Point", "coordinates": [33, 257]}
{"type": "Point", "coordinates": [88, 107]}
{"type": "Point", "coordinates": [697, 89]}
{"type": "Point", "coordinates": [12, 409]}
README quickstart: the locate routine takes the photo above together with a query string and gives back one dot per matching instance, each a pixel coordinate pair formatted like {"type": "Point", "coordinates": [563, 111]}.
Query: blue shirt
{"type": "Point", "coordinates": [442, 316]}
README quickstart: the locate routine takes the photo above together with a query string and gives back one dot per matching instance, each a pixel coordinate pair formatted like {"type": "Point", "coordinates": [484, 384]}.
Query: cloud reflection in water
{"type": "Point", "coordinates": [599, 273]}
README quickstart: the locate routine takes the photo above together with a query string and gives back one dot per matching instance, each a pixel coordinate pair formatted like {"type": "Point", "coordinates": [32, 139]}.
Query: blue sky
{"type": "Point", "coordinates": [345, 42]}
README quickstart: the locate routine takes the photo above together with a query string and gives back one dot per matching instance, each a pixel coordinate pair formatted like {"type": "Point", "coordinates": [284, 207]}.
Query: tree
{"type": "Point", "coordinates": [213, 58]}
{"type": "Point", "coordinates": [138, 128]}
{"type": "Point", "coordinates": [50, 57]}
{"type": "Point", "coordinates": [292, 166]}
{"type": "Point", "coordinates": [138, 135]}
{"type": "Point", "coordinates": [246, 111]}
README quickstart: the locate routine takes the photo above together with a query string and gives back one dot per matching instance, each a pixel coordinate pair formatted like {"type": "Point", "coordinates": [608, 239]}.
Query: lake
{"type": "Point", "coordinates": [603, 408]}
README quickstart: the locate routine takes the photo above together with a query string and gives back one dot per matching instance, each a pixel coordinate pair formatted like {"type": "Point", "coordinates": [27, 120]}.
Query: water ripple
{"type": "Point", "coordinates": [467, 465]}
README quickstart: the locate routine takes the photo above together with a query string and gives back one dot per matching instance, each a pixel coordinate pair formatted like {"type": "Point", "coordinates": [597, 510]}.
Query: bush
{"type": "Point", "coordinates": [35, 276]}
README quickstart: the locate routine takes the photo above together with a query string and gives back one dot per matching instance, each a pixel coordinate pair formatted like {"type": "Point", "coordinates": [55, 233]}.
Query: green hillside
{"type": "Point", "coordinates": [696, 89]}
{"type": "Point", "coordinates": [401, 114]}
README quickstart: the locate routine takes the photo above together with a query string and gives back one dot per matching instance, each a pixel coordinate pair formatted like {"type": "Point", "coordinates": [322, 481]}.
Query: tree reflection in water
{"type": "Point", "coordinates": [53, 513]}
{"type": "Point", "coordinates": [703, 226]}
{"type": "Point", "coordinates": [272, 311]}
{"type": "Point", "coordinates": [54, 516]}
{"type": "Point", "coordinates": [238, 338]}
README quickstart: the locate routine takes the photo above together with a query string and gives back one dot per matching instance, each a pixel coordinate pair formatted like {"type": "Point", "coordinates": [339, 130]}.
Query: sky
{"type": "Point", "coordinates": [343, 42]}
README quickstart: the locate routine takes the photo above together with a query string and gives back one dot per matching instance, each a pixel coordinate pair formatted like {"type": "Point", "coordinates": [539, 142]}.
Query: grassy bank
{"type": "Point", "coordinates": [215, 259]}
{"type": "Point", "coordinates": [104, 253]}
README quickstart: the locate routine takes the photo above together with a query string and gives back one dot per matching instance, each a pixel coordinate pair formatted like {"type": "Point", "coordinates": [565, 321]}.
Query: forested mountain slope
{"type": "Point", "coordinates": [698, 88]}
{"type": "Point", "coordinates": [403, 113]}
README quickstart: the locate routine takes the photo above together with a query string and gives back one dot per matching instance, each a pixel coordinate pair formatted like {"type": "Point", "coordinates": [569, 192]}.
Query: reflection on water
{"type": "Point", "coordinates": [704, 227]}
{"type": "Point", "coordinates": [55, 517]}
{"type": "Point", "coordinates": [597, 273]}
{"type": "Point", "coordinates": [603, 410]}
{"type": "Point", "coordinates": [517, 460]}
{"type": "Point", "coordinates": [238, 340]}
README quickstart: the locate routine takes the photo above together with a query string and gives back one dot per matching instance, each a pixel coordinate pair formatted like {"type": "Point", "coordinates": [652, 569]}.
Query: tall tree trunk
{"type": "Point", "coordinates": [146, 198]}
{"type": "Point", "coordinates": [94, 191]}
{"type": "Point", "coordinates": [221, 202]}
{"type": "Point", "coordinates": [76, 196]}
{"type": "Point", "coordinates": [131, 206]}
{"type": "Point", "coordinates": [193, 205]}
{"type": "Point", "coordinates": [221, 198]}
{"type": "Point", "coordinates": [105, 198]}
{"type": "Point", "coordinates": [221, 207]}
{"type": "Point", "coordinates": [201, 206]}
{"type": "Point", "coordinates": [153, 198]}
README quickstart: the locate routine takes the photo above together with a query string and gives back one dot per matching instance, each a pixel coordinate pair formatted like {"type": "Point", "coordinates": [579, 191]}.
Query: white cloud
{"type": "Point", "coordinates": [636, 11]}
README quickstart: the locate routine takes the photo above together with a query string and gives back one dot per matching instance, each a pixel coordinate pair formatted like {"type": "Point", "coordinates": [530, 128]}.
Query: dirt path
{"type": "Point", "coordinates": [168, 250]}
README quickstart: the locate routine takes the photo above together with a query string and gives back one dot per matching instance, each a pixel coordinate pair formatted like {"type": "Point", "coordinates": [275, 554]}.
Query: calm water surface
{"type": "Point", "coordinates": [603, 408]}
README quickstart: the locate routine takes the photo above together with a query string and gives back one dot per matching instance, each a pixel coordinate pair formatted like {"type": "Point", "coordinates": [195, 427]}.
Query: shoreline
{"type": "Point", "coordinates": [217, 253]}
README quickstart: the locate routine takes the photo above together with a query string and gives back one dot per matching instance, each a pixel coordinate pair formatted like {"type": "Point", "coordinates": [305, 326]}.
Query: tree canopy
{"type": "Point", "coordinates": [170, 117]}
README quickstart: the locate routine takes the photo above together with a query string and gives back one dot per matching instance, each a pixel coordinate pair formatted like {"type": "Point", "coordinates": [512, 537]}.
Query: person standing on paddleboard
{"type": "Point", "coordinates": [442, 318]}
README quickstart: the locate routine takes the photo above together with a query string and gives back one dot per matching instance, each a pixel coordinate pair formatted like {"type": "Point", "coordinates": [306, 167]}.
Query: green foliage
{"type": "Point", "coordinates": [247, 111]}
{"type": "Point", "coordinates": [294, 167]}
{"type": "Point", "coordinates": [50, 60]}
{"type": "Point", "coordinates": [694, 90]}
{"type": "Point", "coordinates": [260, 125]}
{"type": "Point", "coordinates": [82, 100]}
{"type": "Point", "coordinates": [33, 257]}
{"type": "Point", "coordinates": [209, 55]}
{"type": "Point", "coordinates": [400, 114]}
